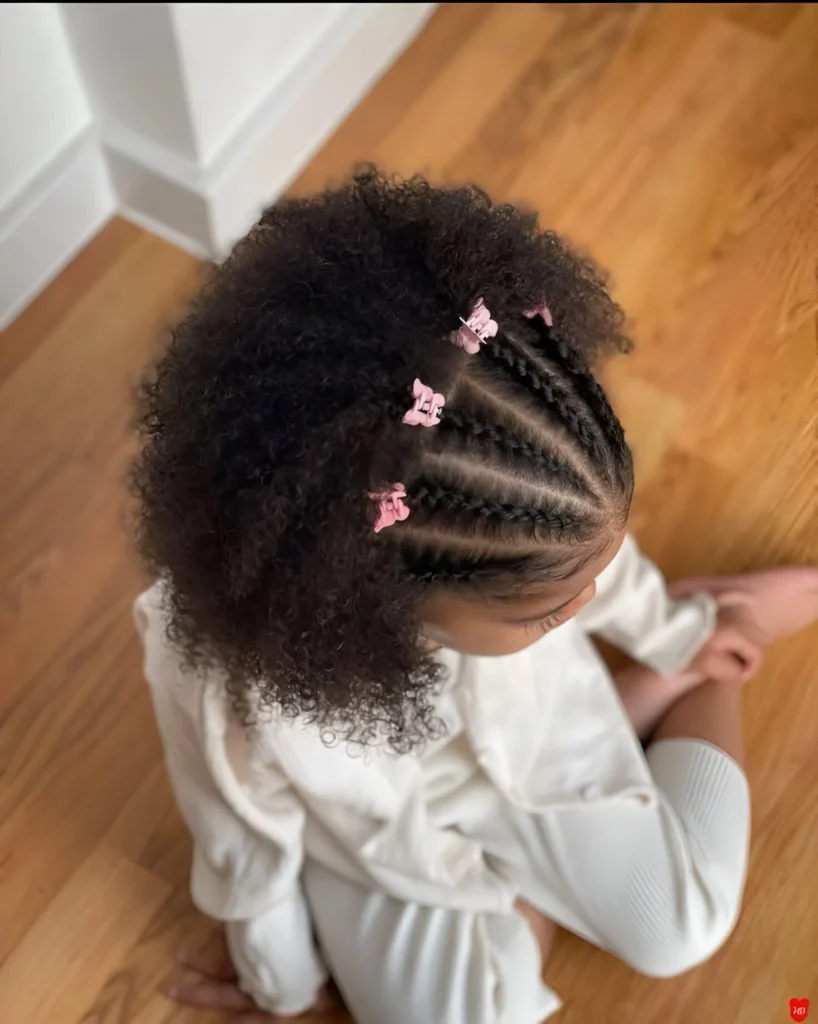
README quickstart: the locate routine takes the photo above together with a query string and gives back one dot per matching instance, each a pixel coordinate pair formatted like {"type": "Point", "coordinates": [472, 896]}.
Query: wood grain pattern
{"type": "Point", "coordinates": [679, 143]}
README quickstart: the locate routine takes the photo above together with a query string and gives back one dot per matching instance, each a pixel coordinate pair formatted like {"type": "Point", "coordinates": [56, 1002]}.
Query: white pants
{"type": "Point", "coordinates": [403, 963]}
{"type": "Point", "coordinates": [406, 963]}
{"type": "Point", "coordinates": [662, 893]}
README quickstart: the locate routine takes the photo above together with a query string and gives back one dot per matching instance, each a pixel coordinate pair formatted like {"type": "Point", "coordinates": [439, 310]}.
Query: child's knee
{"type": "Point", "coordinates": [673, 954]}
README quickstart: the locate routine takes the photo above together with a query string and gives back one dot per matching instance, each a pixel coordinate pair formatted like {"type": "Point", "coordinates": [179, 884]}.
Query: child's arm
{"type": "Point", "coordinates": [647, 697]}
{"type": "Point", "coordinates": [752, 611]}
{"type": "Point", "coordinates": [246, 863]}
{"type": "Point", "coordinates": [246, 859]}
{"type": "Point", "coordinates": [633, 610]}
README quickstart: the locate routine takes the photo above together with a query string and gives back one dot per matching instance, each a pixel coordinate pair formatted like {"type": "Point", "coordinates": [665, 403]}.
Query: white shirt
{"type": "Point", "coordinates": [543, 729]}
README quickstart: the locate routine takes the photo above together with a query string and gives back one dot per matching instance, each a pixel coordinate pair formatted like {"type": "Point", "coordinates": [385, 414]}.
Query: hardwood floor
{"type": "Point", "coordinates": [679, 143]}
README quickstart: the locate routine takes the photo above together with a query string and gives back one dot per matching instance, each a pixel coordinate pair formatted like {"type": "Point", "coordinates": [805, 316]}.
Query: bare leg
{"type": "Point", "coordinates": [781, 601]}
{"type": "Point", "coordinates": [542, 927]}
{"type": "Point", "coordinates": [711, 712]}
{"type": "Point", "coordinates": [648, 696]}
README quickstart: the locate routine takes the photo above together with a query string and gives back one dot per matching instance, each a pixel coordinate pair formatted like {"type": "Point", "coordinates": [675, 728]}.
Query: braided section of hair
{"type": "Point", "coordinates": [585, 384]}
{"type": "Point", "coordinates": [558, 397]}
{"type": "Point", "coordinates": [472, 428]}
{"type": "Point", "coordinates": [442, 567]}
{"type": "Point", "coordinates": [443, 574]}
{"type": "Point", "coordinates": [436, 498]}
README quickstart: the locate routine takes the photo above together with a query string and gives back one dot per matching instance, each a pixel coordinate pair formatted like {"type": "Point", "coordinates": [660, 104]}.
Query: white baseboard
{"type": "Point", "coordinates": [42, 230]}
{"type": "Point", "coordinates": [161, 230]}
{"type": "Point", "coordinates": [208, 209]}
{"type": "Point", "coordinates": [204, 209]}
{"type": "Point", "coordinates": [148, 196]}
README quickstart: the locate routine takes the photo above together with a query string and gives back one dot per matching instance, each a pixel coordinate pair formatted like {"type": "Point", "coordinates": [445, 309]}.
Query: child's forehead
{"type": "Point", "coordinates": [539, 602]}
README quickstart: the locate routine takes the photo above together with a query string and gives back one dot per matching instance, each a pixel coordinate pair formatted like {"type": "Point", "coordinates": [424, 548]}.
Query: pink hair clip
{"type": "Point", "coordinates": [475, 330]}
{"type": "Point", "coordinates": [391, 507]}
{"type": "Point", "coordinates": [426, 410]}
{"type": "Point", "coordinates": [542, 311]}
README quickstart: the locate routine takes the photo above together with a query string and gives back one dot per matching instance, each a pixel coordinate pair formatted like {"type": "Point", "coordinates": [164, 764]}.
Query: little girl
{"type": "Point", "coordinates": [377, 474]}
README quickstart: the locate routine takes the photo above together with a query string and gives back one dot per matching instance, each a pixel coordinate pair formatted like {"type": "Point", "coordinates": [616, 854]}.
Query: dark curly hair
{"type": "Point", "coordinates": [276, 411]}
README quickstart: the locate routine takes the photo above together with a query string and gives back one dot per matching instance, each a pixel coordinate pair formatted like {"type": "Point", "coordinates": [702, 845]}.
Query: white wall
{"type": "Point", "coordinates": [253, 46]}
{"type": "Point", "coordinates": [54, 192]}
{"type": "Point", "coordinates": [130, 62]}
{"type": "Point", "coordinates": [42, 104]}
{"type": "Point", "coordinates": [188, 118]}
{"type": "Point", "coordinates": [208, 110]}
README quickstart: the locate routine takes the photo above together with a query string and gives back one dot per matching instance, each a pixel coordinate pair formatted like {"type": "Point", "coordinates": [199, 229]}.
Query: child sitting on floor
{"type": "Point", "coordinates": [386, 500]}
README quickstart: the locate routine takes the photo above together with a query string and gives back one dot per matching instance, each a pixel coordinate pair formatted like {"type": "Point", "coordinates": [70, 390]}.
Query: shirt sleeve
{"type": "Point", "coordinates": [247, 834]}
{"type": "Point", "coordinates": [633, 610]}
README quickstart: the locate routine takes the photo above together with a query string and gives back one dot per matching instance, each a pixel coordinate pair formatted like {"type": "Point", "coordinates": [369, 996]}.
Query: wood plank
{"type": "Point", "coordinates": [99, 256]}
{"type": "Point", "coordinates": [357, 139]}
{"type": "Point", "coordinates": [55, 972]}
{"type": "Point", "coordinates": [473, 80]}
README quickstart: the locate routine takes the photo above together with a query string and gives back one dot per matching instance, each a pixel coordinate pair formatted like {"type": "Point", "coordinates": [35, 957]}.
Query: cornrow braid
{"type": "Point", "coordinates": [472, 428]}
{"type": "Point", "coordinates": [435, 497]}
{"type": "Point", "coordinates": [443, 567]}
{"type": "Point", "coordinates": [588, 388]}
{"type": "Point", "coordinates": [558, 396]}
{"type": "Point", "coordinates": [445, 573]}
{"type": "Point", "coordinates": [566, 501]}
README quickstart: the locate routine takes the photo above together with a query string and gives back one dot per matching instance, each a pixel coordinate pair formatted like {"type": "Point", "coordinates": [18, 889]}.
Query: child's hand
{"type": "Point", "coordinates": [734, 651]}
{"type": "Point", "coordinates": [755, 610]}
{"type": "Point", "coordinates": [209, 981]}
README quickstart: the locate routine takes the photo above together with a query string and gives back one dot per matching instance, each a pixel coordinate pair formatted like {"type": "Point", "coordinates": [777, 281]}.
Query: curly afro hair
{"type": "Point", "coordinates": [276, 412]}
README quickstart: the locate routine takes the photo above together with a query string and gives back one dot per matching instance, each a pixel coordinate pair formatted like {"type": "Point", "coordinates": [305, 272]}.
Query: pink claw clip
{"type": "Point", "coordinates": [426, 410]}
{"type": "Point", "coordinates": [475, 330]}
{"type": "Point", "coordinates": [542, 311]}
{"type": "Point", "coordinates": [391, 507]}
